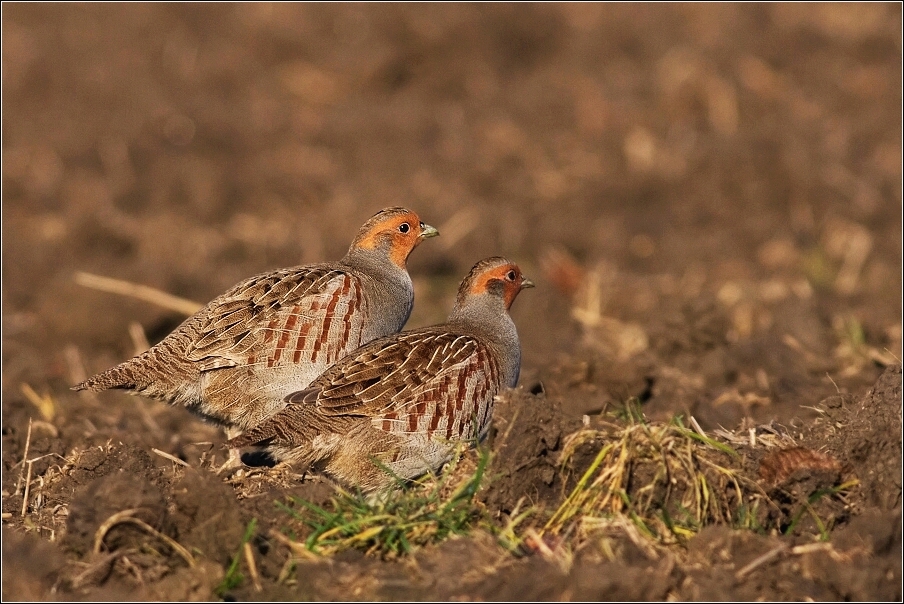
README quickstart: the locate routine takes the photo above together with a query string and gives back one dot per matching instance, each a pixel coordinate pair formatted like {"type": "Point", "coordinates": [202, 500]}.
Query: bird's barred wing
{"type": "Point", "coordinates": [283, 317]}
{"type": "Point", "coordinates": [450, 405]}
{"type": "Point", "coordinates": [404, 382]}
{"type": "Point", "coordinates": [438, 384]}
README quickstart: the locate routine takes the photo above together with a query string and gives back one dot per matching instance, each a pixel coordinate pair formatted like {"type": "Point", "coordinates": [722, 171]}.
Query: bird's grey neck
{"type": "Point", "coordinates": [377, 264]}
{"type": "Point", "coordinates": [391, 285]}
{"type": "Point", "coordinates": [487, 318]}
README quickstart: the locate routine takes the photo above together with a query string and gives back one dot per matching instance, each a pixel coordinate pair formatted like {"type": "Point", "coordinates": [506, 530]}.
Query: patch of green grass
{"type": "Point", "coordinates": [395, 522]}
{"type": "Point", "coordinates": [233, 577]}
{"type": "Point", "coordinates": [747, 517]}
{"type": "Point", "coordinates": [511, 536]}
{"type": "Point", "coordinates": [807, 508]}
{"type": "Point", "coordinates": [631, 412]}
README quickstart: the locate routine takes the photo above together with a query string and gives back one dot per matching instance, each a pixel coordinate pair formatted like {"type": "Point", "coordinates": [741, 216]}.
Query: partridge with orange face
{"type": "Point", "coordinates": [236, 359]}
{"type": "Point", "coordinates": [406, 401]}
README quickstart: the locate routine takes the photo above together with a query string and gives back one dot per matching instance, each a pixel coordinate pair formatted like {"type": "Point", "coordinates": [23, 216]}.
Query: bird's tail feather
{"type": "Point", "coordinates": [126, 376]}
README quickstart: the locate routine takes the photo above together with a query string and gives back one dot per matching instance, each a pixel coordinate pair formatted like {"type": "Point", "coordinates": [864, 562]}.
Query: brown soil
{"type": "Point", "coordinates": [707, 197]}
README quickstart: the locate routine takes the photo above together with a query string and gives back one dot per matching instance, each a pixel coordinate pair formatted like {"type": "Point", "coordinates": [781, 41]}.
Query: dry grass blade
{"type": "Point", "coordinates": [142, 292]}
{"type": "Point", "coordinates": [127, 517]}
{"type": "Point", "coordinates": [696, 426]}
{"type": "Point", "coordinates": [298, 549]}
{"type": "Point", "coordinates": [809, 548]}
{"type": "Point", "coordinates": [760, 560]}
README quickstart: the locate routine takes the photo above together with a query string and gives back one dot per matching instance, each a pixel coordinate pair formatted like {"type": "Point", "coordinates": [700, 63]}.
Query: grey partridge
{"type": "Point", "coordinates": [236, 359]}
{"type": "Point", "coordinates": [400, 406]}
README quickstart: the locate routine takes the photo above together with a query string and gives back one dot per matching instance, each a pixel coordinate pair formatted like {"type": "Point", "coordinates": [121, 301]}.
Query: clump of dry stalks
{"type": "Point", "coordinates": [667, 480]}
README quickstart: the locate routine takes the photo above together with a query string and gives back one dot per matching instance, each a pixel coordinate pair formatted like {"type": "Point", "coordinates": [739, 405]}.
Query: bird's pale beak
{"type": "Point", "coordinates": [525, 282]}
{"type": "Point", "coordinates": [428, 231]}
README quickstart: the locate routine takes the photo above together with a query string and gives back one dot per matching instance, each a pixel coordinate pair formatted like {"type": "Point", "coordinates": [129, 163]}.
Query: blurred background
{"type": "Point", "coordinates": [707, 196]}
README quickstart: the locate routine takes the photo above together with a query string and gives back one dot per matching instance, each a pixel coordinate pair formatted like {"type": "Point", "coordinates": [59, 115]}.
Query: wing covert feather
{"type": "Point", "coordinates": [389, 375]}
{"type": "Point", "coordinates": [283, 317]}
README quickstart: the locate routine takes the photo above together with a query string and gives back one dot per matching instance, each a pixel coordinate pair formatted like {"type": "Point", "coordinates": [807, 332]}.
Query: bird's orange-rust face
{"type": "Point", "coordinates": [399, 229]}
{"type": "Point", "coordinates": [507, 276]}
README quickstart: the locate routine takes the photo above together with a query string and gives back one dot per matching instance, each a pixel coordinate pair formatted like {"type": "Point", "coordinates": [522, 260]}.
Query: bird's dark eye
{"type": "Point", "coordinates": [510, 275]}
{"type": "Point", "coordinates": [404, 227]}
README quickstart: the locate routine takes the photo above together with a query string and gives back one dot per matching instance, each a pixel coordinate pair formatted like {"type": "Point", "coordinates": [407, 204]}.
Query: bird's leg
{"type": "Point", "coordinates": [234, 460]}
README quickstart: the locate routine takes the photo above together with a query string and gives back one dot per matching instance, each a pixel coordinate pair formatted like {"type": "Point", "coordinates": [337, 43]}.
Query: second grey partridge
{"type": "Point", "coordinates": [406, 401]}
{"type": "Point", "coordinates": [235, 360]}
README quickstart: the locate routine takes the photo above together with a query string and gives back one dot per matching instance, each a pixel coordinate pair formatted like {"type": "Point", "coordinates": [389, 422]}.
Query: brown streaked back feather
{"type": "Point", "coordinates": [272, 319]}
{"type": "Point", "coordinates": [388, 374]}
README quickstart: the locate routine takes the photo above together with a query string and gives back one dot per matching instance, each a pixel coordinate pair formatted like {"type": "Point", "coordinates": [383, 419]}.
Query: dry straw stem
{"type": "Point", "coordinates": [252, 567]}
{"type": "Point", "coordinates": [458, 227]}
{"type": "Point", "coordinates": [74, 362]}
{"type": "Point", "coordinates": [669, 481]}
{"type": "Point", "coordinates": [24, 458]}
{"type": "Point", "coordinates": [142, 292]}
{"type": "Point", "coordinates": [761, 560]}
{"type": "Point", "coordinates": [44, 404]}
{"type": "Point", "coordinates": [172, 458]}
{"type": "Point", "coordinates": [127, 517]}
{"type": "Point", "coordinates": [27, 488]}
{"type": "Point", "coordinates": [139, 338]}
